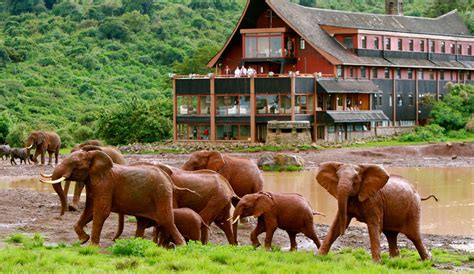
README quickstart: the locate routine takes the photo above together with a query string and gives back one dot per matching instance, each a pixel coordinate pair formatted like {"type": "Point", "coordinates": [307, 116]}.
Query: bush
{"type": "Point", "coordinates": [132, 247]}
{"type": "Point", "coordinates": [5, 123]}
{"type": "Point", "coordinates": [17, 135]}
{"type": "Point", "coordinates": [431, 132]}
{"type": "Point", "coordinates": [67, 8]}
{"type": "Point", "coordinates": [114, 30]}
{"type": "Point", "coordinates": [456, 108]}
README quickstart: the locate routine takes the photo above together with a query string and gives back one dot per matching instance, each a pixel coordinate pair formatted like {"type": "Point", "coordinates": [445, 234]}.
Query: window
{"type": "Point", "coordinates": [410, 73]}
{"type": "Point", "coordinates": [232, 132]}
{"type": "Point", "coordinates": [364, 42]}
{"type": "Point", "coordinates": [441, 75]}
{"type": "Point", "coordinates": [320, 102]}
{"type": "Point", "coordinates": [420, 74]}
{"type": "Point", "coordinates": [348, 42]}
{"type": "Point", "coordinates": [400, 44]}
{"type": "Point", "coordinates": [387, 73]}
{"type": "Point", "coordinates": [329, 103]}
{"type": "Point", "coordinates": [193, 132]}
{"type": "Point", "coordinates": [387, 44]}
{"type": "Point", "coordinates": [375, 73]}
{"type": "Point", "coordinates": [422, 45]}
{"type": "Point", "coordinates": [351, 72]}
{"type": "Point", "coordinates": [452, 49]}
{"type": "Point", "coordinates": [390, 102]}
{"type": "Point", "coordinates": [469, 50]}
{"type": "Point", "coordinates": [339, 71]}
{"type": "Point", "coordinates": [194, 105]}
{"type": "Point", "coordinates": [459, 49]}
{"type": "Point", "coordinates": [263, 45]}
{"type": "Point", "coordinates": [363, 72]}
{"type": "Point", "coordinates": [443, 47]}
{"type": "Point", "coordinates": [376, 43]}
{"type": "Point", "coordinates": [411, 101]}
{"type": "Point", "coordinates": [303, 104]}
{"type": "Point", "coordinates": [302, 43]}
{"type": "Point", "coordinates": [468, 75]}
{"type": "Point", "coordinates": [232, 105]}
{"type": "Point", "coordinates": [461, 76]}
{"type": "Point", "coordinates": [432, 77]}
{"type": "Point", "coordinates": [432, 46]}
{"type": "Point", "coordinates": [399, 100]}
{"type": "Point", "coordinates": [380, 99]}
{"type": "Point", "coordinates": [410, 45]}
{"type": "Point", "coordinates": [273, 104]}
{"type": "Point", "coordinates": [398, 73]}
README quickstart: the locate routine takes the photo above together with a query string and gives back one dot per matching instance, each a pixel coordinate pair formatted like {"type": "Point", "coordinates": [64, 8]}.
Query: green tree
{"type": "Point", "coordinates": [455, 109]}
{"type": "Point", "coordinates": [114, 29]}
{"type": "Point", "coordinates": [142, 6]}
{"type": "Point", "coordinates": [20, 6]}
{"type": "Point", "coordinates": [5, 123]}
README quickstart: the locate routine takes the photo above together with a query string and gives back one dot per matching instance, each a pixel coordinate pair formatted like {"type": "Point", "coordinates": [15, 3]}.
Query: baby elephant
{"type": "Point", "coordinates": [21, 153]}
{"type": "Point", "coordinates": [287, 211]}
{"type": "Point", "coordinates": [189, 224]}
{"type": "Point", "coordinates": [4, 151]}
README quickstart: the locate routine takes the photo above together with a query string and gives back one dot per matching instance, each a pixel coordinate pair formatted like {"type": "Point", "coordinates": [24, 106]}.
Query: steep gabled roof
{"type": "Point", "coordinates": [307, 21]}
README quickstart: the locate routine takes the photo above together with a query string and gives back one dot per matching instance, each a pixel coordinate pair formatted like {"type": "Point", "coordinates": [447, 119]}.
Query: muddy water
{"type": "Point", "coordinates": [452, 215]}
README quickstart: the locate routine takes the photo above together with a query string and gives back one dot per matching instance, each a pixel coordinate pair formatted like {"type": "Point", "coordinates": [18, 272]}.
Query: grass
{"type": "Point", "coordinates": [143, 256]}
{"type": "Point", "coordinates": [278, 168]}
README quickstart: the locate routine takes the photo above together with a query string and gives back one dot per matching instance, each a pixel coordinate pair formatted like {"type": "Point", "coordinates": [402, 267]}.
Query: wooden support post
{"type": "Point", "coordinates": [175, 110]}
{"type": "Point", "coordinates": [417, 92]}
{"type": "Point", "coordinates": [293, 96]}
{"type": "Point", "coordinates": [253, 109]}
{"type": "Point", "coordinates": [394, 98]}
{"type": "Point", "coordinates": [315, 113]}
{"type": "Point", "coordinates": [437, 85]}
{"type": "Point", "coordinates": [213, 108]}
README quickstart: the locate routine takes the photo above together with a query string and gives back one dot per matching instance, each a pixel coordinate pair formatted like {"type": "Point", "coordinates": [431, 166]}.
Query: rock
{"type": "Point", "coordinates": [449, 144]}
{"type": "Point", "coordinates": [286, 160]}
{"type": "Point", "coordinates": [454, 157]}
{"type": "Point", "coordinates": [266, 159]}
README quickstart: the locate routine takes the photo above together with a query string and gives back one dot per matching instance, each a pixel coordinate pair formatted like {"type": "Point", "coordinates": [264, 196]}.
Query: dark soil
{"type": "Point", "coordinates": [26, 211]}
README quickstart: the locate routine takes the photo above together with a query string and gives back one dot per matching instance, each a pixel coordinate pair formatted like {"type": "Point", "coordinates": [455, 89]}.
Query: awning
{"type": "Point", "coordinates": [347, 86]}
{"type": "Point", "coordinates": [357, 116]}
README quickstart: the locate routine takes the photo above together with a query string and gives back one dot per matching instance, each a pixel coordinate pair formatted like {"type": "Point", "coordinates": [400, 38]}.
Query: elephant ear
{"type": "Point", "coordinates": [373, 179]}
{"type": "Point", "coordinates": [40, 139]}
{"type": "Point", "coordinates": [215, 161]}
{"type": "Point", "coordinates": [327, 176]}
{"type": "Point", "coordinates": [90, 148]}
{"type": "Point", "coordinates": [262, 204]}
{"type": "Point", "coordinates": [99, 162]}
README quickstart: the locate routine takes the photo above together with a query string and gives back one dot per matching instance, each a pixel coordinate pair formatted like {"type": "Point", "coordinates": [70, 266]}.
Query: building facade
{"type": "Point", "coordinates": [348, 74]}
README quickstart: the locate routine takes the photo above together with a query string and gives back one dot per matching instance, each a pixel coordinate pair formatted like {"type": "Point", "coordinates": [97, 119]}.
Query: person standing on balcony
{"type": "Point", "coordinates": [227, 70]}
{"type": "Point", "coordinates": [237, 72]}
{"type": "Point", "coordinates": [195, 133]}
{"type": "Point", "coordinates": [206, 134]}
{"type": "Point", "coordinates": [243, 71]}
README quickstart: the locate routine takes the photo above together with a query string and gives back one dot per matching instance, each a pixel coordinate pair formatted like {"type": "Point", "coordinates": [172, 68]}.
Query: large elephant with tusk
{"type": "Point", "coordinates": [133, 190]}
{"type": "Point", "coordinates": [44, 141]}
{"type": "Point", "coordinates": [112, 152]}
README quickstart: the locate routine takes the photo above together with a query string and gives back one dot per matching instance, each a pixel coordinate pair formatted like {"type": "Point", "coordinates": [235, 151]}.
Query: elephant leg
{"type": "Point", "coordinates": [56, 156]}
{"type": "Point", "coordinates": [392, 243]}
{"type": "Point", "coordinates": [77, 196]}
{"type": "Point", "coordinates": [374, 235]}
{"type": "Point", "coordinates": [415, 237]}
{"type": "Point", "coordinates": [269, 230]}
{"type": "Point", "coordinates": [85, 218]}
{"type": "Point", "coordinates": [292, 235]}
{"type": "Point", "coordinates": [333, 234]}
{"type": "Point", "coordinates": [42, 158]}
{"type": "Point", "coordinates": [166, 219]}
{"type": "Point", "coordinates": [67, 183]}
{"type": "Point", "coordinates": [311, 233]}
{"type": "Point", "coordinates": [226, 226]}
{"type": "Point", "coordinates": [50, 157]}
{"type": "Point", "coordinates": [100, 213]}
{"type": "Point", "coordinates": [142, 224]}
{"type": "Point", "coordinates": [259, 229]}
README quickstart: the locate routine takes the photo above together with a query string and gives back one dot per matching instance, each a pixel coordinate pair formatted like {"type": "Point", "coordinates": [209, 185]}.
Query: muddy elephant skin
{"type": "Point", "coordinates": [5, 151]}
{"type": "Point", "coordinates": [287, 211]}
{"type": "Point", "coordinates": [20, 153]}
{"type": "Point", "coordinates": [44, 142]}
{"type": "Point", "coordinates": [132, 190]}
{"type": "Point", "coordinates": [387, 204]}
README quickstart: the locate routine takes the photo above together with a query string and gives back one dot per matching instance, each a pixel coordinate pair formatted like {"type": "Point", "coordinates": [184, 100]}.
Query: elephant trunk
{"type": "Point", "coordinates": [342, 197]}
{"type": "Point", "coordinates": [62, 196]}
{"type": "Point", "coordinates": [237, 213]}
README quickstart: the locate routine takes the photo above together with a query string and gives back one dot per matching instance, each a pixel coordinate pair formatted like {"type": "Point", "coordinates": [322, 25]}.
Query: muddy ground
{"type": "Point", "coordinates": [26, 211]}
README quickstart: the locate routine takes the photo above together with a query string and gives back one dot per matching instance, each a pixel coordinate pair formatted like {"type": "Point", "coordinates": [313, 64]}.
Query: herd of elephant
{"type": "Point", "coordinates": [181, 203]}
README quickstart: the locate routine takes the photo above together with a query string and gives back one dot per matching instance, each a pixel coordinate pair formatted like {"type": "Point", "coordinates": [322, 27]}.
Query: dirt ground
{"type": "Point", "coordinates": [26, 211]}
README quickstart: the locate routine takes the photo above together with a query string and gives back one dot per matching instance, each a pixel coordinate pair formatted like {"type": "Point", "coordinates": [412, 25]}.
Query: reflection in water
{"type": "Point", "coordinates": [453, 214]}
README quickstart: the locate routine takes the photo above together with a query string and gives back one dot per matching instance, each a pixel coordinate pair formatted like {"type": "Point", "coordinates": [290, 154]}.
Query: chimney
{"type": "Point", "coordinates": [394, 7]}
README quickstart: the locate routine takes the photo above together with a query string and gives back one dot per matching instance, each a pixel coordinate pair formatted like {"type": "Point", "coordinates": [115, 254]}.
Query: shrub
{"type": "Point", "coordinates": [4, 57]}
{"type": "Point", "coordinates": [431, 132]}
{"type": "Point", "coordinates": [114, 30]}
{"type": "Point", "coordinates": [17, 135]}
{"type": "Point", "coordinates": [454, 111]}
{"type": "Point", "coordinates": [131, 247]}
{"type": "Point", "coordinates": [67, 8]}
{"type": "Point", "coordinates": [5, 123]}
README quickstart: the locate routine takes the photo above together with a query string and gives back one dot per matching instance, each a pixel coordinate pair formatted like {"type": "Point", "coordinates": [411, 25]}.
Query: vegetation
{"type": "Point", "coordinates": [278, 168]}
{"type": "Point", "coordinates": [77, 66]}
{"type": "Point", "coordinates": [140, 255]}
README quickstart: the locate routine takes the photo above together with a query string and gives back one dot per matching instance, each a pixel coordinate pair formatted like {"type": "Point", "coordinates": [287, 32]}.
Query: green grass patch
{"type": "Point", "coordinates": [131, 219]}
{"type": "Point", "coordinates": [143, 256]}
{"type": "Point", "coordinates": [278, 168]}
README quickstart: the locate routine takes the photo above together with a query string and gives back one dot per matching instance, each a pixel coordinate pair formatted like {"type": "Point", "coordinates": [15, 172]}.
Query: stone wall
{"type": "Point", "coordinates": [389, 131]}
{"type": "Point", "coordinates": [288, 133]}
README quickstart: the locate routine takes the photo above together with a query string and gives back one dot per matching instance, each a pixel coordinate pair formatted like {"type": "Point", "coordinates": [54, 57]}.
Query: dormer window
{"type": "Point", "coordinates": [387, 44]}
{"type": "Point", "coordinates": [469, 50]}
{"type": "Point", "coordinates": [422, 45]}
{"type": "Point", "coordinates": [400, 44]}
{"type": "Point", "coordinates": [459, 49]}
{"type": "Point", "coordinates": [364, 42]}
{"type": "Point", "coordinates": [348, 42]}
{"type": "Point", "coordinates": [410, 45]}
{"type": "Point", "coordinates": [432, 46]}
{"type": "Point", "coordinates": [268, 43]}
{"type": "Point", "coordinates": [376, 43]}
{"type": "Point", "coordinates": [453, 50]}
{"type": "Point", "coordinates": [443, 47]}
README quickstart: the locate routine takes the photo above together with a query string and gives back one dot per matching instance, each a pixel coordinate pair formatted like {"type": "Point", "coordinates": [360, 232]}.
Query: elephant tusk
{"type": "Point", "coordinates": [53, 182]}
{"type": "Point", "coordinates": [30, 146]}
{"type": "Point", "coordinates": [46, 175]}
{"type": "Point", "coordinates": [236, 219]}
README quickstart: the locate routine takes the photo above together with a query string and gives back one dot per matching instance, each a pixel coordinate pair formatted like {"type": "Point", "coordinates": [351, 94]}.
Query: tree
{"type": "Point", "coordinates": [17, 7]}
{"type": "Point", "coordinates": [143, 6]}
{"type": "Point", "coordinates": [114, 29]}
{"type": "Point", "coordinates": [455, 109]}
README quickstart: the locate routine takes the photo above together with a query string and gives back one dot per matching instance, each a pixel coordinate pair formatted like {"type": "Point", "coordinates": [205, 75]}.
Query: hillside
{"type": "Point", "coordinates": [99, 69]}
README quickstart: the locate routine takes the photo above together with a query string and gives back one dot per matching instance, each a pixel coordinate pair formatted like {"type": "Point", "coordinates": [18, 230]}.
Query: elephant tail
{"type": "Point", "coordinates": [319, 213]}
{"type": "Point", "coordinates": [427, 197]}
{"type": "Point", "coordinates": [181, 190]}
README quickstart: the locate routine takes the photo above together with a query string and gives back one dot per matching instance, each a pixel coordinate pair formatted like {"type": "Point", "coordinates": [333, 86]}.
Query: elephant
{"type": "Point", "coordinates": [386, 203]}
{"type": "Point", "coordinates": [20, 153]}
{"type": "Point", "coordinates": [287, 211]}
{"type": "Point", "coordinates": [213, 201]}
{"type": "Point", "coordinates": [112, 152]}
{"type": "Point", "coordinates": [133, 190]}
{"type": "Point", "coordinates": [5, 151]}
{"type": "Point", "coordinates": [44, 141]}
{"type": "Point", "coordinates": [242, 174]}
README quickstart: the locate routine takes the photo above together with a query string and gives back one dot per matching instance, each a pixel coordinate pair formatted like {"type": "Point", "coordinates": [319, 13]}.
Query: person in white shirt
{"type": "Point", "coordinates": [243, 71]}
{"type": "Point", "coordinates": [237, 72]}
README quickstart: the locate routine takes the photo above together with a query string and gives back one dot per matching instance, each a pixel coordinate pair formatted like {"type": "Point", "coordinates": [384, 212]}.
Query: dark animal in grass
{"type": "Point", "coordinates": [19, 153]}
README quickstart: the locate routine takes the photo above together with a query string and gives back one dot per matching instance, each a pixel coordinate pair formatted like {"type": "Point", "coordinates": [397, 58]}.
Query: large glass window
{"type": "Point", "coordinates": [339, 71]}
{"type": "Point", "coordinates": [459, 49]}
{"type": "Point", "coordinates": [273, 104]}
{"type": "Point", "coordinates": [398, 73]}
{"type": "Point", "coordinates": [363, 72]}
{"type": "Point", "coordinates": [233, 132]}
{"type": "Point", "coordinates": [193, 132]}
{"type": "Point", "coordinates": [285, 104]}
{"type": "Point", "coordinates": [441, 75]}
{"type": "Point", "coordinates": [193, 105]}
{"type": "Point", "coordinates": [304, 104]}
{"type": "Point", "coordinates": [233, 105]}
{"type": "Point", "coordinates": [410, 73]}
{"type": "Point", "coordinates": [263, 45]}
{"type": "Point", "coordinates": [452, 49]}
{"type": "Point", "coordinates": [420, 74]}
{"type": "Point", "coordinates": [329, 102]}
